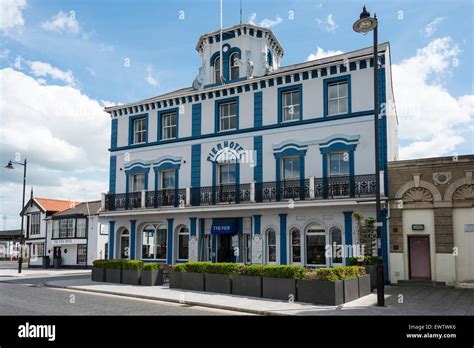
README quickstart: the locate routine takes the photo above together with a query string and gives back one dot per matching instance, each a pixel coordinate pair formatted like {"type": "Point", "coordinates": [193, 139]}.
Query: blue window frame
{"type": "Point", "coordinates": [227, 114]}
{"type": "Point", "coordinates": [168, 124]}
{"type": "Point", "coordinates": [290, 103]}
{"type": "Point", "coordinates": [337, 96]}
{"type": "Point", "coordinates": [136, 176]}
{"type": "Point", "coordinates": [138, 130]}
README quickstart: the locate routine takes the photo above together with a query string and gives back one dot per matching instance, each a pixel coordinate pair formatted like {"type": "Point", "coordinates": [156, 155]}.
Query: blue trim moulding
{"type": "Point", "coordinates": [112, 173]}
{"type": "Point", "coordinates": [258, 148]}
{"type": "Point", "coordinates": [130, 129]}
{"type": "Point", "coordinates": [196, 165]}
{"type": "Point", "coordinates": [113, 136]}
{"type": "Point", "coordinates": [136, 169]}
{"type": "Point", "coordinates": [290, 150]}
{"type": "Point", "coordinates": [133, 224]}
{"type": "Point", "coordinates": [160, 124]}
{"type": "Point", "coordinates": [218, 103]}
{"type": "Point", "coordinates": [257, 129]}
{"type": "Point", "coordinates": [111, 239]}
{"type": "Point", "coordinates": [167, 165]}
{"type": "Point", "coordinates": [326, 83]}
{"type": "Point", "coordinates": [258, 109]}
{"type": "Point", "coordinates": [347, 231]}
{"type": "Point", "coordinates": [169, 251]}
{"type": "Point", "coordinates": [192, 224]}
{"type": "Point", "coordinates": [281, 90]}
{"type": "Point", "coordinates": [283, 258]}
{"type": "Point", "coordinates": [196, 119]}
{"type": "Point", "coordinates": [257, 224]}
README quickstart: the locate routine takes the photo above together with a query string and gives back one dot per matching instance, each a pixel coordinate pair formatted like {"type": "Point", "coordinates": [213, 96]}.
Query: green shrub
{"type": "Point", "coordinates": [197, 267]}
{"type": "Point", "coordinates": [339, 273]}
{"type": "Point", "coordinates": [100, 263]}
{"type": "Point", "coordinates": [179, 268]}
{"type": "Point", "coordinates": [363, 261]}
{"type": "Point", "coordinates": [151, 266]}
{"type": "Point", "coordinates": [273, 271]}
{"type": "Point", "coordinates": [222, 268]}
{"type": "Point", "coordinates": [133, 265]}
{"type": "Point", "coordinates": [116, 264]}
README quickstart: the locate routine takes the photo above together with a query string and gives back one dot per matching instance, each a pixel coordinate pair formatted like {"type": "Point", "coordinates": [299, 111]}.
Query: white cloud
{"type": "Point", "coordinates": [328, 25]}
{"type": "Point", "coordinates": [11, 14]}
{"type": "Point", "coordinates": [321, 53]}
{"type": "Point", "coordinates": [149, 77]}
{"type": "Point", "coordinates": [421, 99]}
{"type": "Point", "coordinates": [42, 69]}
{"type": "Point", "coordinates": [64, 135]}
{"type": "Point", "coordinates": [431, 28]}
{"type": "Point", "coordinates": [62, 22]}
{"type": "Point", "coordinates": [266, 23]}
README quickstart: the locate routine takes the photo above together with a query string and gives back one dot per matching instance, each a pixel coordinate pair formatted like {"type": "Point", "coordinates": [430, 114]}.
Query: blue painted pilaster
{"type": "Point", "coordinates": [347, 231]}
{"type": "Point", "coordinates": [111, 239]}
{"type": "Point", "coordinates": [133, 224]}
{"type": "Point", "coordinates": [384, 244]}
{"type": "Point", "coordinates": [257, 224]}
{"type": "Point", "coordinates": [192, 224]}
{"type": "Point", "coordinates": [283, 260]}
{"type": "Point", "coordinates": [169, 257]}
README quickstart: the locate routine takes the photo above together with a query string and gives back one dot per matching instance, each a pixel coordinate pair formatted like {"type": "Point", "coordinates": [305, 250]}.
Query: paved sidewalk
{"type": "Point", "coordinates": [416, 300]}
{"type": "Point", "coordinates": [12, 273]}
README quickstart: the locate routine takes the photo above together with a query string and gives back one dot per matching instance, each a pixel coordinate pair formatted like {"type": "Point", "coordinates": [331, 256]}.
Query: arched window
{"type": "Point", "coordinates": [316, 245]}
{"type": "Point", "coordinates": [335, 235]}
{"type": "Point", "coordinates": [124, 244]}
{"type": "Point", "coordinates": [234, 66]}
{"type": "Point", "coordinates": [183, 243]}
{"type": "Point", "coordinates": [154, 242]}
{"type": "Point", "coordinates": [271, 245]}
{"type": "Point", "coordinates": [295, 245]}
{"type": "Point", "coordinates": [217, 69]}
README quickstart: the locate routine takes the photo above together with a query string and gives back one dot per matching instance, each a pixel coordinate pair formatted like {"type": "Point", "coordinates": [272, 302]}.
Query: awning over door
{"type": "Point", "coordinates": [225, 226]}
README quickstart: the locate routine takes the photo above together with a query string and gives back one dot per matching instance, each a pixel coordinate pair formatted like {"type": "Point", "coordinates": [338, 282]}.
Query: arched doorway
{"type": "Point", "coordinates": [335, 239]}
{"type": "Point", "coordinates": [124, 244]}
{"type": "Point", "coordinates": [316, 245]}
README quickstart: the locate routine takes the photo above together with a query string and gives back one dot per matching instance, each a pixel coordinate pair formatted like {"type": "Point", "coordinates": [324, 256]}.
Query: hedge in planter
{"type": "Point", "coordinates": [151, 274]}
{"type": "Point", "coordinates": [218, 276]}
{"type": "Point", "coordinates": [370, 265]}
{"type": "Point", "coordinates": [113, 273]}
{"type": "Point", "coordinates": [98, 270]}
{"type": "Point", "coordinates": [330, 286]}
{"type": "Point", "coordinates": [131, 272]}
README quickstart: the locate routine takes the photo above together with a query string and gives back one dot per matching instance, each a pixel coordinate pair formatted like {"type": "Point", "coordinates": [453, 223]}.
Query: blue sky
{"type": "Point", "coordinates": [61, 62]}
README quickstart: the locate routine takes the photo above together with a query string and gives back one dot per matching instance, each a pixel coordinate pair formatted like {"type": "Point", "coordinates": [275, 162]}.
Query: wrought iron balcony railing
{"type": "Point", "coordinates": [255, 192]}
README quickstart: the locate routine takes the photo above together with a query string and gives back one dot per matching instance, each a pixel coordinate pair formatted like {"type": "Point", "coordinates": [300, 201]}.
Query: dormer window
{"type": "Point", "coordinates": [217, 70]}
{"type": "Point", "coordinates": [234, 66]}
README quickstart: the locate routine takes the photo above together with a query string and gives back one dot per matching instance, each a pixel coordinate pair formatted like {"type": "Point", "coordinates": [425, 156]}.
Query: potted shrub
{"type": "Point", "coordinates": [131, 272]}
{"type": "Point", "coordinates": [320, 289]}
{"type": "Point", "coordinates": [113, 273]}
{"type": "Point", "coordinates": [175, 276]}
{"type": "Point", "coordinates": [193, 276]}
{"type": "Point", "coordinates": [46, 261]}
{"type": "Point", "coordinates": [152, 274]}
{"type": "Point", "coordinates": [248, 281]}
{"type": "Point", "coordinates": [279, 281]}
{"type": "Point", "coordinates": [370, 265]}
{"type": "Point", "coordinates": [218, 277]}
{"type": "Point", "coordinates": [98, 270]}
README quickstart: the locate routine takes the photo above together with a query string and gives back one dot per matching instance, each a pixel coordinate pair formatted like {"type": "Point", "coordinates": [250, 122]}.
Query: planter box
{"type": "Point", "coordinates": [320, 292]}
{"type": "Point", "coordinates": [113, 275]}
{"type": "Point", "coordinates": [247, 286]}
{"type": "Point", "coordinates": [175, 280]}
{"type": "Point", "coordinates": [220, 283]}
{"type": "Point", "coordinates": [98, 274]}
{"type": "Point", "coordinates": [278, 288]}
{"type": "Point", "coordinates": [131, 276]}
{"type": "Point", "coordinates": [351, 289]}
{"type": "Point", "coordinates": [192, 281]}
{"type": "Point", "coordinates": [372, 271]}
{"type": "Point", "coordinates": [364, 285]}
{"type": "Point", "coordinates": [152, 277]}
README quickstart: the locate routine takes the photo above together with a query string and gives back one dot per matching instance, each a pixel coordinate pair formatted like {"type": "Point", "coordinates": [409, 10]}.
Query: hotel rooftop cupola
{"type": "Point", "coordinates": [247, 51]}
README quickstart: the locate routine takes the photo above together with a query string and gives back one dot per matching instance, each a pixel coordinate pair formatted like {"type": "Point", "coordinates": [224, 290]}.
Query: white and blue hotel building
{"type": "Point", "coordinates": [264, 166]}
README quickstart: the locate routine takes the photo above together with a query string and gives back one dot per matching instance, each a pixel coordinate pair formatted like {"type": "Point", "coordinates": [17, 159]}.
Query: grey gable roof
{"type": "Point", "coordinates": [80, 209]}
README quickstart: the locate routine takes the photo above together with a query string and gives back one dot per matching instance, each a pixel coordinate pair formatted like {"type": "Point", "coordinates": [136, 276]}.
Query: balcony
{"type": "Point", "coordinates": [339, 187]}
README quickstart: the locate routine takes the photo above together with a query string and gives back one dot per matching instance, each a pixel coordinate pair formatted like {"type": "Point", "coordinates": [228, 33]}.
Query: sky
{"type": "Point", "coordinates": [62, 62]}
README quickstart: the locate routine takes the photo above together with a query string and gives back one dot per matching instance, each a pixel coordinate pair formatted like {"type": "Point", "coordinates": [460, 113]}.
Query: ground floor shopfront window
{"type": "Point", "coordinates": [154, 242]}
{"type": "Point", "coordinates": [315, 245]}
{"type": "Point", "coordinates": [183, 243]}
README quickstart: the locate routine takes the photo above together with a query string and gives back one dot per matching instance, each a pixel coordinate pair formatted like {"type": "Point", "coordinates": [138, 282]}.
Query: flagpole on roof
{"type": "Point", "coordinates": [220, 53]}
{"type": "Point", "coordinates": [87, 203]}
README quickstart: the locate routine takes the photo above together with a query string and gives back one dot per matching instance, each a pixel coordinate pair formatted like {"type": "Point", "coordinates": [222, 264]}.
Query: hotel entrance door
{"type": "Point", "coordinates": [224, 251]}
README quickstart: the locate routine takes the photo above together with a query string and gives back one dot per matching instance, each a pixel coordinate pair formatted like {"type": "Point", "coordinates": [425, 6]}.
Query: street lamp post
{"type": "Point", "coordinates": [10, 166]}
{"type": "Point", "coordinates": [363, 25]}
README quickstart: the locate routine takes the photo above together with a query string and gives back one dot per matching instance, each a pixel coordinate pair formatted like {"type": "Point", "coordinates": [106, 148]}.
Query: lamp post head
{"type": "Point", "coordinates": [365, 23]}
{"type": "Point", "coordinates": [9, 165]}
